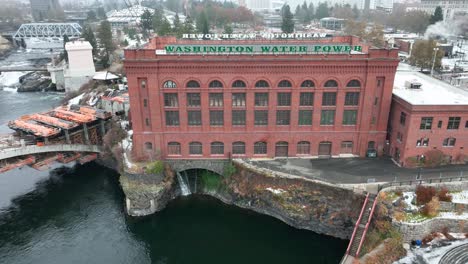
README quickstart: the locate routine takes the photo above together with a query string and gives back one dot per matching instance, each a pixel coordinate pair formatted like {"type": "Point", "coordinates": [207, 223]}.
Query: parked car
{"type": "Point", "coordinates": [371, 153]}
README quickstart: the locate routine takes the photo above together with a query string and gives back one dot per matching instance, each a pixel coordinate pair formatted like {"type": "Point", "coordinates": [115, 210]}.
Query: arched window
{"type": "Point", "coordinates": [354, 84]}
{"type": "Point", "coordinates": [238, 84]}
{"type": "Point", "coordinates": [169, 84]}
{"type": "Point", "coordinates": [193, 84]}
{"type": "Point", "coordinates": [284, 83]}
{"type": "Point", "coordinates": [195, 148]}
{"type": "Point", "coordinates": [238, 147]}
{"type": "Point", "coordinates": [260, 147]}
{"type": "Point", "coordinates": [307, 83]}
{"type": "Point", "coordinates": [261, 84]}
{"type": "Point", "coordinates": [303, 147]}
{"type": "Point", "coordinates": [216, 84]}
{"type": "Point", "coordinates": [148, 146]}
{"type": "Point", "coordinates": [331, 83]}
{"type": "Point", "coordinates": [217, 148]}
{"type": "Point", "coordinates": [173, 148]}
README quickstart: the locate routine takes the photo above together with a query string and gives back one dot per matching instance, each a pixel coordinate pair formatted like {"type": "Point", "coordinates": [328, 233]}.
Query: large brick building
{"type": "Point", "coordinates": [427, 114]}
{"type": "Point", "coordinates": [191, 99]}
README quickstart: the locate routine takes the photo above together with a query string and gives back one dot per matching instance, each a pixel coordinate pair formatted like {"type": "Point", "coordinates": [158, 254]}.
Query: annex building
{"type": "Point", "coordinates": [259, 98]}
{"type": "Point", "coordinates": [427, 114]}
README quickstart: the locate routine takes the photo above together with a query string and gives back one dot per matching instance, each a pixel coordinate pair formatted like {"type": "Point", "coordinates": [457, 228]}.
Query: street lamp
{"type": "Point", "coordinates": [433, 60]}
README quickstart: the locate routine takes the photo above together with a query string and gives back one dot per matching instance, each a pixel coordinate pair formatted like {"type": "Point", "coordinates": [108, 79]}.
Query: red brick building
{"type": "Point", "coordinates": [190, 99]}
{"type": "Point", "coordinates": [427, 114]}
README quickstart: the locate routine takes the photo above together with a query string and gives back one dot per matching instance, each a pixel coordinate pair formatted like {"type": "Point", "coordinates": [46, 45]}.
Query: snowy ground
{"type": "Point", "coordinates": [429, 255]}
{"type": "Point", "coordinates": [460, 197]}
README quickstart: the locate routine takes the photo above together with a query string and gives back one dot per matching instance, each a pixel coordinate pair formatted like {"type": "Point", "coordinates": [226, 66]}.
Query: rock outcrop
{"type": "Point", "coordinates": [5, 47]}
{"type": "Point", "coordinates": [35, 82]}
{"type": "Point", "coordinates": [299, 202]}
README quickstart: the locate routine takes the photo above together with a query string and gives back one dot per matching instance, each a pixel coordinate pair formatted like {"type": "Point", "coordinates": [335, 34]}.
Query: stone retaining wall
{"type": "Point", "coordinates": [414, 231]}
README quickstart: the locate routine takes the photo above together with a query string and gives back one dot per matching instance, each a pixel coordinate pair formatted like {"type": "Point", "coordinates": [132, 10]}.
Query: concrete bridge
{"type": "Point", "coordinates": [21, 69]}
{"type": "Point", "coordinates": [33, 149]}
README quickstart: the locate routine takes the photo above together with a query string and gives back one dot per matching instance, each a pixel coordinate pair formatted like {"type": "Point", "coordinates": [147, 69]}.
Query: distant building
{"type": "Point", "coordinates": [427, 114]}
{"type": "Point", "coordinates": [131, 16]}
{"type": "Point", "coordinates": [265, 5]}
{"type": "Point", "coordinates": [80, 65]}
{"type": "Point", "coordinates": [45, 9]}
{"type": "Point", "coordinates": [450, 9]}
{"type": "Point", "coordinates": [332, 23]}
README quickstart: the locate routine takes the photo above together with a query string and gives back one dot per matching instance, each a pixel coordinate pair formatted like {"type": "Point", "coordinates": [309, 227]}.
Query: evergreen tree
{"type": "Point", "coordinates": [437, 16]}
{"type": "Point", "coordinates": [287, 25]}
{"type": "Point", "coordinates": [177, 28]}
{"type": "Point", "coordinates": [105, 37]}
{"type": "Point", "coordinates": [228, 29]}
{"type": "Point", "coordinates": [91, 15]}
{"type": "Point", "coordinates": [311, 11]}
{"type": "Point", "coordinates": [203, 25]}
{"type": "Point", "coordinates": [322, 11]}
{"type": "Point", "coordinates": [305, 13]}
{"type": "Point", "coordinates": [146, 22]}
{"type": "Point", "coordinates": [65, 53]}
{"type": "Point", "coordinates": [164, 28]}
{"type": "Point", "coordinates": [88, 35]}
{"type": "Point", "coordinates": [157, 19]}
{"type": "Point", "coordinates": [187, 28]}
{"type": "Point", "coordinates": [101, 13]}
{"type": "Point", "coordinates": [298, 13]}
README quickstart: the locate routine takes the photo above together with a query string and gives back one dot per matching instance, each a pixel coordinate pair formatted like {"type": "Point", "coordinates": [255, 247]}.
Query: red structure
{"type": "Point", "coordinates": [190, 99]}
{"type": "Point", "coordinates": [427, 114]}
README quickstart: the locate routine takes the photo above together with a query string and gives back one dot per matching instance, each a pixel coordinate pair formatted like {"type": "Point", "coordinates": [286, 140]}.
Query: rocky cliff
{"type": "Point", "coordinates": [299, 202]}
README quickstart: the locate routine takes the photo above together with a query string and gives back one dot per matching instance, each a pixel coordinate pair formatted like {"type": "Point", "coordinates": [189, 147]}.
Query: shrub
{"type": "Point", "coordinates": [229, 170]}
{"type": "Point", "coordinates": [428, 238]}
{"type": "Point", "coordinates": [424, 194]}
{"type": "Point", "coordinates": [399, 193]}
{"type": "Point", "coordinates": [399, 216]}
{"type": "Point", "coordinates": [156, 167]}
{"type": "Point", "coordinates": [431, 209]}
{"type": "Point", "coordinates": [443, 195]}
{"type": "Point", "coordinates": [210, 181]}
{"type": "Point", "coordinates": [433, 158]}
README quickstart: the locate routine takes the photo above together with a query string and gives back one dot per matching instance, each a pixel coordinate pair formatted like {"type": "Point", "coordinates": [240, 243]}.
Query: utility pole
{"type": "Point", "coordinates": [433, 60]}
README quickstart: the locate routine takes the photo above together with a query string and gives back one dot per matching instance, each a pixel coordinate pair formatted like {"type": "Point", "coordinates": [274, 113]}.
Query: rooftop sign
{"type": "Point", "coordinates": [258, 49]}
{"type": "Point", "coordinates": [255, 35]}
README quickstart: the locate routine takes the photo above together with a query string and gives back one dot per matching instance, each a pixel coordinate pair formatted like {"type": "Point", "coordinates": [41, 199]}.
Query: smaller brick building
{"type": "Point", "coordinates": [427, 114]}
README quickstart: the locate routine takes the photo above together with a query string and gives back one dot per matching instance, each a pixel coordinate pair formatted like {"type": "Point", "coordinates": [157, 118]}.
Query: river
{"type": "Point", "coordinates": [76, 216]}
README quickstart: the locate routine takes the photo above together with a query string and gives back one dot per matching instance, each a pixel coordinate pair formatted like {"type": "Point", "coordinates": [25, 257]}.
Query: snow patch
{"type": "Point", "coordinates": [408, 198]}
{"type": "Point", "coordinates": [10, 78]}
{"type": "Point", "coordinates": [75, 100]}
{"type": "Point", "coordinates": [429, 255]}
{"type": "Point", "coordinates": [275, 191]}
{"type": "Point", "coordinates": [460, 197]}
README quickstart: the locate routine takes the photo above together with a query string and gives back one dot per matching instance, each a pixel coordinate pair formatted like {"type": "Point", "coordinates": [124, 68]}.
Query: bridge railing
{"type": "Point", "coordinates": [462, 177]}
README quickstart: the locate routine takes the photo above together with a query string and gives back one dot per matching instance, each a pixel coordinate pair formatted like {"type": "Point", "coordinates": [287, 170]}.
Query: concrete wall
{"type": "Point", "coordinates": [9, 153]}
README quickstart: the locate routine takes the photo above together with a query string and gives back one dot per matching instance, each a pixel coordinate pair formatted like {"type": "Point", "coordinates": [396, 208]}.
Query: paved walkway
{"type": "Point", "coordinates": [356, 170]}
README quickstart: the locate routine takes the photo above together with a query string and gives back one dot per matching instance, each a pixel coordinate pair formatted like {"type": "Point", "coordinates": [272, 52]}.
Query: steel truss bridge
{"type": "Point", "coordinates": [48, 30]}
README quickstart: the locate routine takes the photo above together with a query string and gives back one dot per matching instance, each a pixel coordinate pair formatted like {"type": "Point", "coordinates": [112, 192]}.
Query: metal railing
{"type": "Point", "coordinates": [356, 227]}
{"type": "Point", "coordinates": [441, 179]}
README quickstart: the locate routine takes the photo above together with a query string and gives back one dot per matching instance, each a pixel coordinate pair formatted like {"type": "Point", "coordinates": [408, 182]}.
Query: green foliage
{"type": "Point", "coordinates": [101, 13]}
{"type": "Point", "coordinates": [229, 170]}
{"type": "Point", "coordinates": [228, 29]}
{"type": "Point", "coordinates": [105, 37]}
{"type": "Point", "coordinates": [157, 19]}
{"type": "Point", "coordinates": [203, 26]}
{"type": "Point", "coordinates": [91, 15]}
{"type": "Point", "coordinates": [146, 21]}
{"type": "Point", "coordinates": [177, 27]}
{"type": "Point", "coordinates": [322, 11]}
{"type": "Point", "coordinates": [88, 35]}
{"type": "Point", "coordinates": [287, 24]}
{"type": "Point", "coordinates": [423, 53]}
{"type": "Point", "coordinates": [211, 181]}
{"type": "Point", "coordinates": [437, 16]}
{"type": "Point", "coordinates": [155, 167]}
{"type": "Point", "coordinates": [188, 26]}
{"type": "Point", "coordinates": [164, 28]}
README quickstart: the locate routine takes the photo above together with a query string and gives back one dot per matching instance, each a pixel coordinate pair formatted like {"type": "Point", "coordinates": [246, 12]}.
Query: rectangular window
{"type": "Point", "coordinates": [147, 122]}
{"type": "Point", "coordinates": [352, 98]}
{"type": "Point", "coordinates": [216, 118]}
{"type": "Point", "coordinates": [349, 117]}
{"type": "Point", "coordinates": [261, 117]}
{"type": "Point", "coordinates": [439, 125]}
{"type": "Point", "coordinates": [284, 99]}
{"type": "Point", "coordinates": [238, 99]}
{"type": "Point", "coordinates": [238, 117]}
{"type": "Point", "coordinates": [453, 122]}
{"type": "Point", "coordinates": [170, 100]}
{"type": "Point", "coordinates": [216, 100]}
{"type": "Point", "coordinates": [402, 118]}
{"type": "Point", "coordinates": [305, 117]}
{"type": "Point", "coordinates": [261, 99]}
{"type": "Point", "coordinates": [173, 148]}
{"type": "Point", "coordinates": [145, 103]}
{"type": "Point", "coordinates": [194, 118]}
{"type": "Point", "coordinates": [422, 142]}
{"type": "Point", "coordinates": [376, 101]}
{"type": "Point", "coordinates": [306, 99]}
{"type": "Point", "coordinates": [426, 123]}
{"type": "Point", "coordinates": [193, 100]}
{"type": "Point", "coordinates": [327, 117]}
{"type": "Point", "coordinates": [399, 137]}
{"type": "Point", "coordinates": [172, 118]}
{"type": "Point", "coordinates": [238, 148]}
{"type": "Point", "coordinates": [449, 142]}
{"type": "Point", "coordinates": [142, 84]}
{"type": "Point", "coordinates": [329, 99]}
{"type": "Point", "coordinates": [282, 117]}
{"type": "Point", "coordinates": [466, 124]}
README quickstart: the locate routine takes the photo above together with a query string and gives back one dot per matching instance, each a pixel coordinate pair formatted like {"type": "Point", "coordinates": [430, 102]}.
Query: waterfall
{"type": "Point", "coordinates": [183, 186]}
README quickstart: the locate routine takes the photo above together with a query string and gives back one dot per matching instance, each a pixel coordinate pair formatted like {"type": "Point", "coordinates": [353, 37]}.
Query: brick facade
{"type": "Point", "coordinates": [372, 73]}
